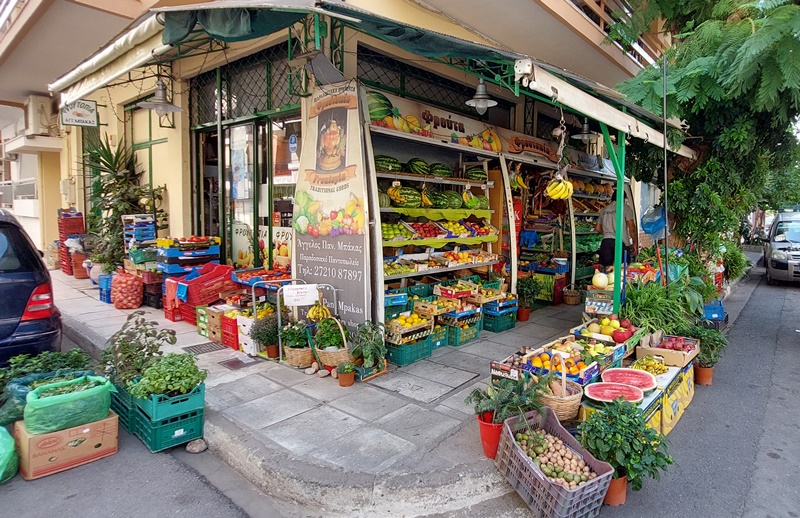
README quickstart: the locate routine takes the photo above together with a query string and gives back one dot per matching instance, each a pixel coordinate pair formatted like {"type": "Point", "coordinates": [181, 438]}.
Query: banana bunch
{"type": "Point", "coordinates": [394, 194]}
{"type": "Point", "coordinates": [559, 189]}
{"type": "Point", "coordinates": [515, 178]}
{"type": "Point", "coordinates": [318, 312]}
{"type": "Point", "coordinates": [651, 365]}
{"type": "Point", "coordinates": [425, 198]}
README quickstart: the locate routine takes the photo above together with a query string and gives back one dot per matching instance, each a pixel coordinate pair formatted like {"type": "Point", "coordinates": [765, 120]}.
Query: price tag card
{"type": "Point", "coordinates": [300, 294]}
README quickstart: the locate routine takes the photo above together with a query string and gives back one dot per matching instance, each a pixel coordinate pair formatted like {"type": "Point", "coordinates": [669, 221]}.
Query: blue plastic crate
{"type": "Point", "coordinates": [714, 310]}
{"type": "Point", "coordinates": [563, 268]}
{"type": "Point", "coordinates": [105, 296]}
{"type": "Point", "coordinates": [104, 280]}
{"type": "Point", "coordinates": [199, 252]}
{"type": "Point", "coordinates": [177, 269]}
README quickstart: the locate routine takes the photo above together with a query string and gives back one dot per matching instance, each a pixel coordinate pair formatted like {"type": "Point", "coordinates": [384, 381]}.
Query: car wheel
{"type": "Point", "coordinates": [770, 280]}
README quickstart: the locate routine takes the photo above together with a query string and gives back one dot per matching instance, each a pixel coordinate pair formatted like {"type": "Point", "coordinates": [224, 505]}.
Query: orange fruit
{"type": "Point", "coordinates": [581, 365]}
{"type": "Point", "coordinates": [536, 362]}
{"type": "Point", "coordinates": [544, 356]}
{"type": "Point", "coordinates": [574, 371]}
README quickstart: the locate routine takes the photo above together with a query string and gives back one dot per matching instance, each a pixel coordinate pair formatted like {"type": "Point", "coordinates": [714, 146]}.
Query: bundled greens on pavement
{"type": "Point", "coordinates": [23, 364]}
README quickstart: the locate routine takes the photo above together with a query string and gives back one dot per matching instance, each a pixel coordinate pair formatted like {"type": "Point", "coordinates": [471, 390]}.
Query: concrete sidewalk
{"type": "Point", "coordinates": [404, 443]}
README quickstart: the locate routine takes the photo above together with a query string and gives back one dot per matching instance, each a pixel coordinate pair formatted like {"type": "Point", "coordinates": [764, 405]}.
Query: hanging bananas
{"type": "Point", "coordinates": [515, 180]}
{"type": "Point", "coordinates": [559, 188]}
{"type": "Point", "coordinates": [318, 312]}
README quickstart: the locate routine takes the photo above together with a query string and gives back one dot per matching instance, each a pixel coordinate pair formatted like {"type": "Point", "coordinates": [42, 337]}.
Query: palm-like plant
{"type": "Point", "coordinates": [117, 191]}
{"type": "Point", "coordinates": [506, 399]}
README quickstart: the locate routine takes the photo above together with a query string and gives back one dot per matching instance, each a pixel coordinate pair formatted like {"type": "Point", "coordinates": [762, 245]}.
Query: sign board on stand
{"type": "Point", "coordinates": [300, 294]}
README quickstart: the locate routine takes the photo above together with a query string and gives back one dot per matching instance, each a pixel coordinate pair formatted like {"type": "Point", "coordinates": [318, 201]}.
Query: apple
{"type": "Point", "coordinates": [614, 317]}
{"type": "Point", "coordinates": [626, 323]}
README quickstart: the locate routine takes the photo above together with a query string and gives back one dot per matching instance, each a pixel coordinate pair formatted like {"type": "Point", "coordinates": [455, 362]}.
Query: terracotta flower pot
{"type": "Point", "coordinates": [272, 351]}
{"type": "Point", "coordinates": [490, 434]}
{"type": "Point", "coordinates": [346, 379]}
{"type": "Point", "coordinates": [617, 491]}
{"type": "Point", "coordinates": [523, 314]}
{"type": "Point", "coordinates": [703, 375]}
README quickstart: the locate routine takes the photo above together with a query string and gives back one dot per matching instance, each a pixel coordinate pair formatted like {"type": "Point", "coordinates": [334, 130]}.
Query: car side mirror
{"type": "Point", "coordinates": [41, 254]}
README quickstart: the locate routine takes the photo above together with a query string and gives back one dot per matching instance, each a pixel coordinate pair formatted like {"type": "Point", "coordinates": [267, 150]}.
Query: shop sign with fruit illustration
{"type": "Point", "coordinates": [329, 214]}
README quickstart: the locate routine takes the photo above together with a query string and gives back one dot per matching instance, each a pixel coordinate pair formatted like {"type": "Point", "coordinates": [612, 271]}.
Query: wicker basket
{"type": "Point", "coordinates": [334, 358]}
{"type": "Point", "coordinates": [300, 358]}
{"type": "Point", "coordinates": [565, 407]}
{"type": "Point", "coordinates": [572, 296]}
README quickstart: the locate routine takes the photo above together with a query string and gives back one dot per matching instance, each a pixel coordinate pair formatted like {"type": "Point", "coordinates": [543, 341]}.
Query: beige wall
{"type": "Point", "coordinates": [49, 196]}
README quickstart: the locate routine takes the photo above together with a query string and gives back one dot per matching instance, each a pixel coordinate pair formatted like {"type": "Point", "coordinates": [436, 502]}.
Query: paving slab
{"type": "Point", "coordinates": [240, 390]}
{"type": "Point", "coordinates": [528, 336]}
{"type": "Point", "coordinates": [419, 389]}
{"type": "Point", "coordinates": [270, 409]}
{"type": "Point", "coordinates": [288, 376]}
{"type": "Point", "coordinates": [442, 374]}
{"type": "Point", "coordinates": [491, 350]}
{"type": "Point", "coordinates": [463, 361]}
{"type": "Point", "coordinates": [418, 425]}
{"type": "Point", "coordinates": [456, 400]}
{"type": "Point", "coordinates": [322, 389]}
{"type": "Point", "coordinates": [368, 403]}
{"type": "Point", "coordinates": [366, 450]}
{"type": "Point", "coordinates": [312, 429]}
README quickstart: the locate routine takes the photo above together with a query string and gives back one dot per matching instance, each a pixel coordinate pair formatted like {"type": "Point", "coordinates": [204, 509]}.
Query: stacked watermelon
{"type": "Point", "coordinates": [476, 173]}
{"type": "Point", "coordinates": [407, 197]}
{"type": "Point", "coordinates": [483, 201]}
{"type": "Point", "coordinates": [387, 163]}
{"type": "Point", "coordinates": [418, 166]}
{"type": "Point", "coordinates": [384, 200]}
{"type": "Point", "coordinates": [439, 169]}
{"type": "Point", "coordinates": [454, 200]}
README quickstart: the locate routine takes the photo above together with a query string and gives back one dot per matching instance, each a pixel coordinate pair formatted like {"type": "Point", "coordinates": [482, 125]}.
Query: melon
{"type": "Point", "coordinates": [606, 392]}
{"type": "Point", "coordinates": [633, 377]}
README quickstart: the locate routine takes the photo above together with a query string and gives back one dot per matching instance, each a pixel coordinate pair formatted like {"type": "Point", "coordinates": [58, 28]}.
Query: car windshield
{"type": "Point", "coordinates": [788, 231]}
{"type": "Point", "coordinates": [16, 251]}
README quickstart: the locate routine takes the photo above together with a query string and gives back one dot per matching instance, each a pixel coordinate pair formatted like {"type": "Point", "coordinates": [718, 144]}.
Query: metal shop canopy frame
{"type": "Point", "coordinates": [240, 20]}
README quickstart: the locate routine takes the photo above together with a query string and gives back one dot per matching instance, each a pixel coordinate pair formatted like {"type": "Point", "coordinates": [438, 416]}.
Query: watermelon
{"type": "Point", "coordinates": [440, 200]}
{"type": "Point", "coordinates": [633, 377]}
{"type": "Point", "coordinates": [483, 201]}
{"type": "Point", "coordinates": [606, 392]}
{"type": "Point", "coordinates": [439, 169]}
{"type": "Point", "coordinates": [387, 163]}
{"type": "Point", "coordinates": [378, 105]}
{"type": "Point", "coordinates": [384, 200]}
{"type": "Point", "coordinates": [476, 173]}
{"type": "Point", "coordinates": [410, 198]}
{"type": "Point", "coordinates": [418, 166]}
{"type": "Point", "coordinates": [455, 199]}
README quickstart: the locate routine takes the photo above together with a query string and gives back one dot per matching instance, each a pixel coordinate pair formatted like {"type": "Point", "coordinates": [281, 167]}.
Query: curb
{"type": "Point", "coordinates": [334, 492]}
{"type": "Point", "coordinates": [85, 338]}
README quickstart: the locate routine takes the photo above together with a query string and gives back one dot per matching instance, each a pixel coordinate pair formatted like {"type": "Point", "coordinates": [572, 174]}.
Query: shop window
{"type": "Point", "coordinates": [389, 74]}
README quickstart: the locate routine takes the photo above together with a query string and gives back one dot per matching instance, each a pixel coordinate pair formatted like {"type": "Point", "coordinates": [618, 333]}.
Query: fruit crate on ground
{"type": "Point", "coordinates": [501, 323]}
{"type": "Point", "coordinates": [158, 407]}
{"type": "Point", "coordinates": [402, 355]}
{"type": "Point", "coordinates": [393, 312]}
{"type": "Point", "coordinates": [171, 314]}
{"type": "Point", "coordinates": [438, 337]}
{"type": "Point", "coordinates": [545, 497]}
{"type": "Point", "coordinates": [458, 336]}
{"type": "Point", "coordinates": [188, 313]}
{"type": "Point", "coordinates": [410, 335]}
{"type": "Point", "coordinates": [465, 318]}
{"type": "Point", "coordinates": [161, 434]}
{"type": "Point", "coordinates": [153, 300]}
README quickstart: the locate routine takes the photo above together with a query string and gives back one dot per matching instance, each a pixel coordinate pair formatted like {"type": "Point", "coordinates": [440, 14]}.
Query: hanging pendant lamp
{"type": "Point", "coordinates": [586, 134]}
{"type": "Point", "coordinates": [481, 100]}
{"type": "Point", "coordinates": [159, 103]}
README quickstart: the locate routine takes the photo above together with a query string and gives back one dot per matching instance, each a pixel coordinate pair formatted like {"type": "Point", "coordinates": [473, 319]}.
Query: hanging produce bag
{"type": "Point", "coordinates": [16, 391]}
{"type": "Point", "coordinates": [9, 463]}
{"type": "Point", "coordinates": [62, 405]}
{"type": "Point", "coordinates": [126, 291]}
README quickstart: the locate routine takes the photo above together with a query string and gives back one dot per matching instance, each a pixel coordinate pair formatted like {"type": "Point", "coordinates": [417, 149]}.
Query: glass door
{"type": "Point", "coordinates": [280, 139]}
{"type": "Point", "coordinates": [239, 190]}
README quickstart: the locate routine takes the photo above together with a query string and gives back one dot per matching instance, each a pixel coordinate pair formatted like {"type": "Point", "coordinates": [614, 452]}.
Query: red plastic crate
{"type": "Point", "coordinates": [66, 259]}
{"type": "Point", "coordinates": [173, 315]}
{"type": "Point", "coordinates": [230, 333]}
{"type": "Point", "coordinates": [188, 313]}
{"type": "Point", "coordinates": [67, 226]}
{"type": "Point", "coordinates": [214, 279]}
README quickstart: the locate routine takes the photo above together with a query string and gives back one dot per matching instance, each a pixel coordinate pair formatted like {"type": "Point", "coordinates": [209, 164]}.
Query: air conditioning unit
{"type": "Point", "coordinates": [38, 115]}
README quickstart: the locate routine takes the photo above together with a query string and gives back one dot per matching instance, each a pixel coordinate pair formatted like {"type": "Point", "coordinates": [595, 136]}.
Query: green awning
{"type": "Point", "coordinates": [229, 25]}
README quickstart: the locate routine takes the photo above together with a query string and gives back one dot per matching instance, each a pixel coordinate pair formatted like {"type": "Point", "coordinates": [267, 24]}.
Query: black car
{"type": "Point", "coordinates": [30, 323]}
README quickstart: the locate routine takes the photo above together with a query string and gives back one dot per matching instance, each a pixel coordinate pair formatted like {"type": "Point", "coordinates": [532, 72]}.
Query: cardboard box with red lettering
{"type": "Point", "coordinates": [45, 454]}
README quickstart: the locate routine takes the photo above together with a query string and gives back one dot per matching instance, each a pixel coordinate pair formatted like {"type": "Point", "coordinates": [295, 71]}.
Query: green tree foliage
{"type": "Point", "coordinates": [734, 77]}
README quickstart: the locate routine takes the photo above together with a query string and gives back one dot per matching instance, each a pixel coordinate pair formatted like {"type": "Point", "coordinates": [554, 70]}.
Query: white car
{"type": "Point", "coordinates": [782, 248]}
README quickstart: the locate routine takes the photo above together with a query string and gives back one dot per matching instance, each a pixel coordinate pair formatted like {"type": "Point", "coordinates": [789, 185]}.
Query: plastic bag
{"type": "Point", "coordinates": [16, 392]}
{"type": "Point", "coordinates": [9, 463]}
{"type": "Point", "coordinates": [654, 220]}
{"type": "Point", "coordinates": [50, 414]}
{"type": "Point", "coordinates": [126, 291]}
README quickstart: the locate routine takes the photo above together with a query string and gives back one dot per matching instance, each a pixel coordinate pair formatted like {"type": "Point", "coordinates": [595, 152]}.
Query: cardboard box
{"type": "Point", "coordinates": [215, 334]}
{"type": "Point", "coordinates": [677, 398]}
{"type": "Point", "coordinates": [214, 314]}
{"type": "Point", "coordinates": [45, 454]}
{"type": "Point", "coordinates": [246, 344]}
{"type": "Point", "coordinates": [671, 358]}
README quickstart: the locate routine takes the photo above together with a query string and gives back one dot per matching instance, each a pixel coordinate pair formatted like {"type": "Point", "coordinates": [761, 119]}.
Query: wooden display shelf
{"type": "Point", "coordinates": [436, 271]}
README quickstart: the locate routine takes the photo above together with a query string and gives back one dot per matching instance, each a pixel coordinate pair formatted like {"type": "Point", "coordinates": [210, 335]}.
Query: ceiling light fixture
{"type": "Point", "coordinates": [159, 103]}
{"type": "Point", "coordinates": [481, 100]}
{"type": "Point", "coordinates": [586, 134]}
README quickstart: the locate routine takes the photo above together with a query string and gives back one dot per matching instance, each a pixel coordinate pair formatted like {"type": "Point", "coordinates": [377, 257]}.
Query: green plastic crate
{"type": "Point", "coordinates": [161, 434]}
{"type": "Point", "coordinates": [457, 336]}
{"type": "Point", "coordinates": [402, 355]}
{"type": "Point", "coordinates": [393, 312]}
{"type": "Point", "coordinates": [162, 407]}
{"type": "Point", "coordinates": [501, 323]}
{"type": "Point", "coordinates": [438, 337]}
{"type": "Point", "coordinates": [422, 290]}
{"type": "Point", "coordinates": [124, 412]}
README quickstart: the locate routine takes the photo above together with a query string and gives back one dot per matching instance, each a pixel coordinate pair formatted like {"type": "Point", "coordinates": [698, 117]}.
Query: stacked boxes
{"type": "Point", "coordinates": [162, 422]}
{"type": "Point", "coordinates": [104, 282]}
{"type": "Point", "coordinates": [201, 318]}
{"type": "Point", "coordinates": [214, 315]}
{"type": "Point", "coordinates": [138, 228]}
{"type": "Point", "coordinates": [69, 222]}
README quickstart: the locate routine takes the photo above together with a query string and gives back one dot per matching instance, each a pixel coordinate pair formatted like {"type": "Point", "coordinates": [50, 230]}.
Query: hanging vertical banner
{"type": "Point", "coordinates": [330, 242]}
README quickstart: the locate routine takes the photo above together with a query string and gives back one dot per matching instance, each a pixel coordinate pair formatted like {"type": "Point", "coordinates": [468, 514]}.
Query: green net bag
{"type": "Point", "coordinates": [9, 463]}
{"type": "Point", "coordinates": [45, 413]}
{"type": "Point", "coordinates": [16, 392]}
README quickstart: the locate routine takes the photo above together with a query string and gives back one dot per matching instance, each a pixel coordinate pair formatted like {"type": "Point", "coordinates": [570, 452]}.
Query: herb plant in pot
{"type": "Point", "coordinates": [294, 338]}
{"type": "Point", "coordinates": [500, 401]}
{"type": "Point", "coordinates": [527, 290]}
{"type": "Point", "coordinates": [170, 376]}
{"type": "Point", "coordinates": [265, 334]}
{"type": "Point", "coordinates": [347, 373]}
{"type": "Point", "coordinates": [369, 348]}
{"type": "Point", "coordinates": [618, 434]}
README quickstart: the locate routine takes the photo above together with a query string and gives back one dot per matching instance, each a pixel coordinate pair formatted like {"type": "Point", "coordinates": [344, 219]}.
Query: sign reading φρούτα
{"type": "Point", "coordinates": [80, 113]}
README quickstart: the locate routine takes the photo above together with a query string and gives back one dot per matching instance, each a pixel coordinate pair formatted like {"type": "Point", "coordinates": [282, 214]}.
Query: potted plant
{"type": "Point", "coordinates": [294, 338]}
{"type": "Point", "coordinates": [265, 334]}
{"type": "Point", "coordinates": [500, 401]}
{"type": "Point", "coordinates": [527, 290]}
{"type": "Point", "coordinates": [330, 341]}
{"type": "Point", "coordinates": [369, 348]}
{"type": "Point", "coordinates": [133, 348]}
{"type": "Point", "coordinates": [618, 434]}
{"type": "Point", "coordinates": [712, 343]}
{"type": "Point", "coordinates": [347, 373]}
{"type": "Point", "coordinates": [171, 375]}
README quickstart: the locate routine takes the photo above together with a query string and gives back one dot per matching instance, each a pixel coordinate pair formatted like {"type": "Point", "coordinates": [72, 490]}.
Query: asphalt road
{"type": "Point", "coordinates": [735, 449]}
{"type": "Point", "coordinates": [140, 484]}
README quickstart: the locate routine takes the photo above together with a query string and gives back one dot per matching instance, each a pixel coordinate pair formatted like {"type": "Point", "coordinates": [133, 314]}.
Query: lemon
{"type": "Point", "coordinates": [615, 324]}
{"type": "Point", "coordinates": [605, 322]}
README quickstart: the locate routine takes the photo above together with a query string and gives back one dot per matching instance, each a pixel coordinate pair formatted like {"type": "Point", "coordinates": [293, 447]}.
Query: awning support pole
{"type": "Point", "coordinates": [223, 256]}
{"type": "Point", "coordinates": [618, 160]}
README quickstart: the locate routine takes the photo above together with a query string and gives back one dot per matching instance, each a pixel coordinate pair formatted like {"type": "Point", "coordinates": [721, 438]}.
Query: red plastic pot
{"type": "Point", "coordinates": [490, 434]}
{"type": "Point", "coordinates": [703, 375]}
{"type": "Point", "coordinates": [523, 314]}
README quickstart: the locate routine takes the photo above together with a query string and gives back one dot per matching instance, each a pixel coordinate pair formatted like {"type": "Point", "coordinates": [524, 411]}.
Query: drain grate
{"type": "Point", "coordinates": [210, 347]}
{"type": "Point", "coordinates": [235, 364]}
